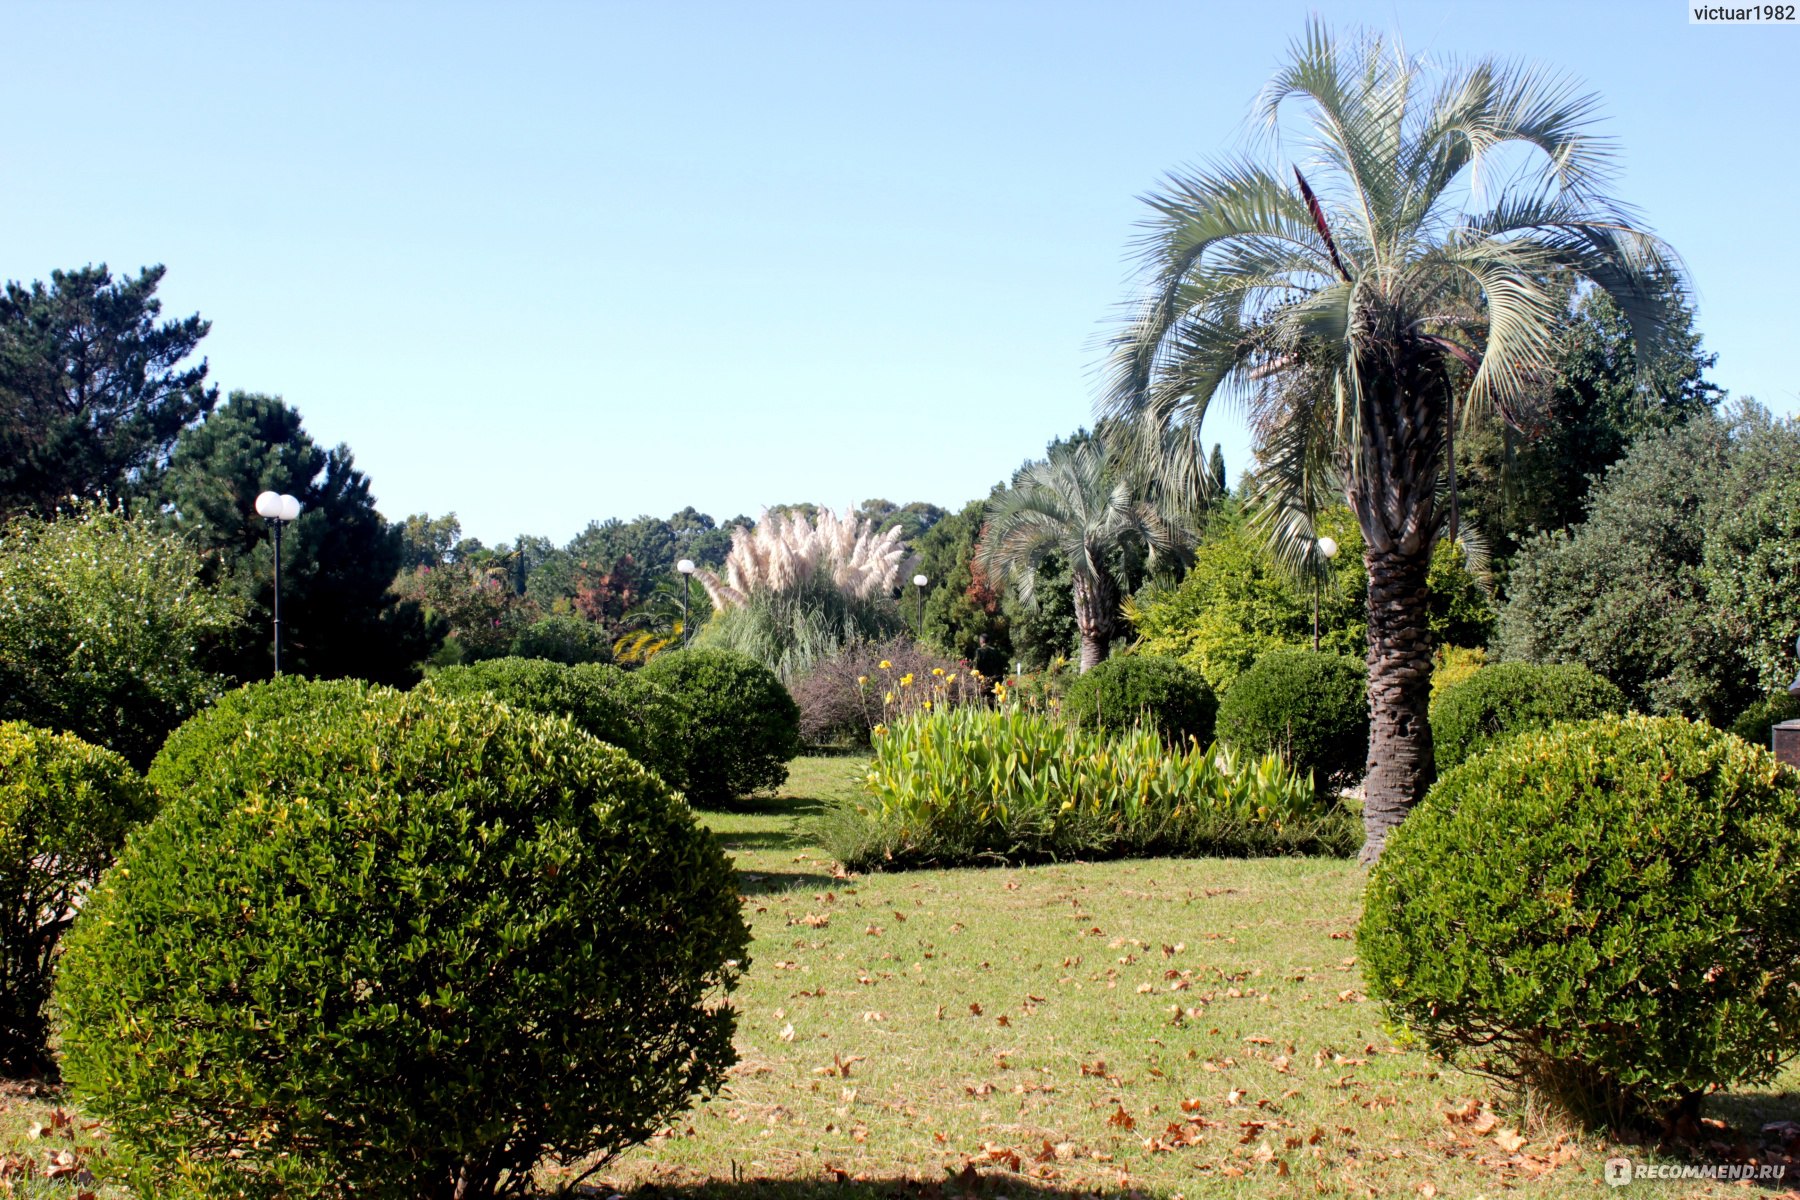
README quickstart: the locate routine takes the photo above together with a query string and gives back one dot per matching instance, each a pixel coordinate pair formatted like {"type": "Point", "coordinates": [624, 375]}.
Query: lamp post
{"type": "Point", "coordinates": [919, 582]}
{"type": "Point", "coordinates": [1327, 547]}
{"type": "Point", "coordinates": [686, 567]}
{"type": "Point", "coordinates": [1784, 737]}
{"type": "Point", "coordinates": [278, 508]}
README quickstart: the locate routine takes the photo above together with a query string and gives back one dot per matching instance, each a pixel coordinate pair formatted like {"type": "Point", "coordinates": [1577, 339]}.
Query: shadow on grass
{"type": "Point", "coordinates": [840, 1185]}
{"type": "Point", "coordinates": [764, 839]}
{"type": "Point", "coordinates": [762, 883]}
{"type": "Point", "coordinates": [765, 806]}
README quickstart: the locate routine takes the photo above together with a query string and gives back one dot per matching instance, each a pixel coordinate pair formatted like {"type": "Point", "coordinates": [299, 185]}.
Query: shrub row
{"type": "Point", "coordinates": [1513, 697]}
{"type": "Point", "coordinates": [1132, 690]}
{"type": "Point", "coordinates": [713, 723]}
{"type": "Point", "coordinates": [1014, 785]}
{"type": "Point", "coordinates": [1311, 707]}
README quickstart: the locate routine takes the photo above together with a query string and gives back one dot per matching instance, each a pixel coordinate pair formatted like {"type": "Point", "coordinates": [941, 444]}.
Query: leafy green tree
{"type": "Point", "coordinates": [428, 541]}
{"type": "Point", "coordinates": [104, 622]}
{"type": "Point", "coordinates": [1751, 560]}
{"type": "Point", "coordinates": [471, 612]}
{"type": "Point", "coordinates": [1597, 400]}
{"type": "Point", "coordinates": [1083, 505]}
{"type": "Point", "coordinates": [914, 519]}
{"type": "Point", "coordinates": [1675, 587]}
{"type": "Point", "coordinates": [960, 604]}
{"type": "Point", "coordinates": [93, 391]}
{"type": "Point", "coordinates": [1362, 319]}
{"type": "Point", "coordinates": [338, 616]}
{"type": "Point", "coordinates": [1237, 603]}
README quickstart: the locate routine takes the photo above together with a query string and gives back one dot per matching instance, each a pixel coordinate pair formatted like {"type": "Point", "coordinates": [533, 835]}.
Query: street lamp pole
{"type": "Point", "coordinates": [919, 582]}
{"type": "Point", "coordinates": [1327, 547]}
{"type": "Point", "coordinates": [686, 567]}
{"type": "Point", "coordinates": [278, 508]}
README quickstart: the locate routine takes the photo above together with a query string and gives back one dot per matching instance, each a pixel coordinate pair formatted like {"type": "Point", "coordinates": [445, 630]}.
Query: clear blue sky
{"type": "Point", "coordinates": [539, 264]}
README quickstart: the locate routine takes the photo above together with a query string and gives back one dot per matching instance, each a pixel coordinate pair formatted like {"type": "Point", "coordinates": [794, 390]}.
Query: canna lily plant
{"type": "Point", "coordinates": [1405, 270]}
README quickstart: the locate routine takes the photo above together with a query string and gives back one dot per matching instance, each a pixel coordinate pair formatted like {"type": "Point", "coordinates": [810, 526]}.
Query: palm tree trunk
{"type": "Point", "coordinates": [1096, 615]}
{"type": "Point", "coordinates": [1395, 500]}
{"type": "Point", "coordinates": [1401, 759]}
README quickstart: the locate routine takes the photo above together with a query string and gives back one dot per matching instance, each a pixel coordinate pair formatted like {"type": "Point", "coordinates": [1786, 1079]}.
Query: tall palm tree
{"type": "Point", "coordinates": [1081, 504]}
{"type": "Point", "coordinates": [1409, 268]}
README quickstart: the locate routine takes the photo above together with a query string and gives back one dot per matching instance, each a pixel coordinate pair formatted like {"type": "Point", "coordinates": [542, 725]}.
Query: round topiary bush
{"type": "Point", "coordinates": [616, 706]}
{"type": "Point", "coordinates": [740, 727]}
{"type": "Point", "coordinates": [197, 743]}
{"type": "Point", "coordinates": [1144, 689]}
{"type": "Point", "coordinates": [564, 639]}
{"type": "Point", "coordinates": [1756, 723]}
{"type": "Point", "coordinates": [407, 949]}
{"type": "Point", "coordinates": [1605, 912]}
{"type": "Point", "coordinates": [1312, 707]}
{"type": "Point", "coordinates": [65, 807]}
{"type": "Point", "coordinates": [1511, 697]}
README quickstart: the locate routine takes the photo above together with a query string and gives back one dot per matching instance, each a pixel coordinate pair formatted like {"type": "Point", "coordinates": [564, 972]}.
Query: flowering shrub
{"type": "Point", "coordinates": [1009, 784]}
{"type": "Point", "coordinates": [843, 698]}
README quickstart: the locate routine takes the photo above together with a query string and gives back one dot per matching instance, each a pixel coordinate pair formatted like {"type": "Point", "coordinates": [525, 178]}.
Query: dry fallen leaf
{"type": "Point", "coordinates": [1509, 1141]}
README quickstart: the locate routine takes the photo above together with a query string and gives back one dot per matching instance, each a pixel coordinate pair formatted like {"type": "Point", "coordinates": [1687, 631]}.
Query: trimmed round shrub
{"type": "Point", "coordinates": [1607, 913]}
{"type": "Point", "coordinates": [739, 728]}
{"type": "Point", "coordinates": [1150, 690]}
{"type": "Point", "coordinates": [1312, 707]}
{"type": "Point", "coordinates": [618, 707]}
{"type": "Point", "coordinates": [65, 807]}
{"type": "Point", "coordinates": [408, 949]}
{"type": "Point", "coordinates": [564, 639]}
{"type": "Point", "coordinates": [1756, 724]}
{"type": "Point", "coordinates": [1511, 697]}
{"type": "Point", "coordinates": [190, 751]}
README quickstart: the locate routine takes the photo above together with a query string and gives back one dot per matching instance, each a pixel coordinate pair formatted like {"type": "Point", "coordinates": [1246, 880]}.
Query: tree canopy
{"type": "Point", "coordinates": [339, 617]}
{"type": "Point", "coordinates": [94, 388]}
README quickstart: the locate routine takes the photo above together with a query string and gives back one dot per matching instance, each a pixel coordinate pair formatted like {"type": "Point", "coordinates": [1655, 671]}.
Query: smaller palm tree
{"type": "Point", "coordinates": [1083, 505]}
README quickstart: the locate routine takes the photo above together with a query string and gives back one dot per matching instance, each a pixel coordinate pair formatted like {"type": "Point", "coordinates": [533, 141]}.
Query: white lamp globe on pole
{"type": "Point", "coordinates": [277, 508]}
{"type": "Point", "coordinates": [1328, 550]}
{"type": "Point", "coordinates": [686, 567]}
{"type": "Point", "coordinates": [919, 582]}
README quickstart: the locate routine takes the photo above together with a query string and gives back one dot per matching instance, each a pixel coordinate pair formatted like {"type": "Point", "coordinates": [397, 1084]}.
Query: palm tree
{"type": "Point", "coordinates": [1360, 315]}
{"type": "Point", "coordinates": [1082, 505]}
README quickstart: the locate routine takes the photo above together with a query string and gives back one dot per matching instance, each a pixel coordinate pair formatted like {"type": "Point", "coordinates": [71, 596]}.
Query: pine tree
{"type": "Point", "coordinates": [92, 391]}
{"type": "Point", "coordinates": [339, 560]}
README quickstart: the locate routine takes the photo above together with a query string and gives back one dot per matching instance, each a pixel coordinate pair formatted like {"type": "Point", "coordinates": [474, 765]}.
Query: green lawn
{"type": "Point", "coordinates": [1170, 1028]}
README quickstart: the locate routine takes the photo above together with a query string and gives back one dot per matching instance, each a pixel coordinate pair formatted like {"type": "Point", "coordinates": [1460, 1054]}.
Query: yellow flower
{"type": "Point", "coordinates": [879, 730]}
{"type": "Point", "coordinates": [862, 680]}
{"type": "Point", "coordinates": [937, 670]}
{"type": "Point", "coordinates": [906, 679]}
{"type": "Point", "coordinates": [888, 699]}
{"type": "Point", "coordinates": [884, 664]}
{"type": "Point", "coordinates": [928, 706]}
{"type": "Point", "coordinates": [1000, 690]}
{"type": "Point", "coordinates": [950, 679]}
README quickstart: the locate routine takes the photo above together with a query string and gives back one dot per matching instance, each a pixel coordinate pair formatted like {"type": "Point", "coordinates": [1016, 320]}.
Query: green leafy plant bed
{"type": "Point", "coordinates": [1012, 785]}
